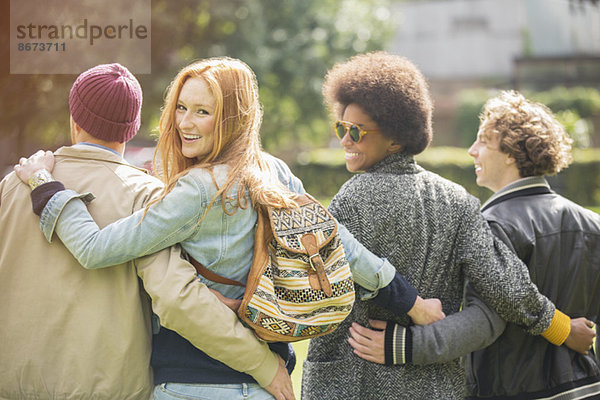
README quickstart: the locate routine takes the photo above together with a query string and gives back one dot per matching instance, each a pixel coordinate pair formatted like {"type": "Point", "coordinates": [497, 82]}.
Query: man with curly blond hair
{"type": "Point", "coordinates": [518, 143]}
{"type": "Point", "coordinates": [524, 136]}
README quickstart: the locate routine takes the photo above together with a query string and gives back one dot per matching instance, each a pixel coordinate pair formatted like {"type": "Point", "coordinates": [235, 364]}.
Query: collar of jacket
{"type": "Point", "coordinates": [93, 153]}
{"type": "Point", "coordinates": [397, 163]}
{"type": "Point", "coordinates": [529, 186]}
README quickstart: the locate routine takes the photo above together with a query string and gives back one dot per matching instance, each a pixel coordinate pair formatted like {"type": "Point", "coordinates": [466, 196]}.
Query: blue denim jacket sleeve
{"type": "Point", "coordinates": [368, 271]}
{"type": "Point", "coordinates": [54, 208]}
{"type": "Point", "coordinates": [170, 221]}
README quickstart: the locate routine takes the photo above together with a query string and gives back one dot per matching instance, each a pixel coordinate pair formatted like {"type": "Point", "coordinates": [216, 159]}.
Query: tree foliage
{"type": "Point", "coordinates": [290, 44]}
{"type": "Point", "coordinates": [574, 107]}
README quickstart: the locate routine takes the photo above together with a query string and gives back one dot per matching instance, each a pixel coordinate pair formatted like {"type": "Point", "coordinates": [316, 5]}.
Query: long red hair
{"type": "Point", "coordinates": [238, 116]}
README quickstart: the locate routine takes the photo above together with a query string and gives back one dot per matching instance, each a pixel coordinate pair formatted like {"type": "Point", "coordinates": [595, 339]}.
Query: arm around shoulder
{"type": "Point", "coordinates": [167, 222]}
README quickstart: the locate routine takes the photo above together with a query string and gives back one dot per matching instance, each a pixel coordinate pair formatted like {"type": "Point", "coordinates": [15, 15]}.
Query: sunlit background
{"type": "Point", "coordinates": [468, 50]}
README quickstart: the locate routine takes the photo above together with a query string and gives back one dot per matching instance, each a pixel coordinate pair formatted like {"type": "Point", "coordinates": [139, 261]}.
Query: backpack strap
{"type": "Point", "coordinates": [309, 241]}
{"type": "Point", "coordinates": [211, 276]}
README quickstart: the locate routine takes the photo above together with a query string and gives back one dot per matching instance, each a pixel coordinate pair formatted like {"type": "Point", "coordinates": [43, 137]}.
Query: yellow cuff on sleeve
{"type": "Point", "coordinates": [559, 328]}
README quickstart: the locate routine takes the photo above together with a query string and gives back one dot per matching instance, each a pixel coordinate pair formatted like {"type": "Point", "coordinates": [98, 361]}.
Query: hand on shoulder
{"type": "Point", "coordinates": [27, 167]}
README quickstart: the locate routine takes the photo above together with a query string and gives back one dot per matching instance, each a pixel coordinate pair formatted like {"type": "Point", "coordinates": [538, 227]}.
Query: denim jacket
{"type": "Point", "coordinates": [222, 242]}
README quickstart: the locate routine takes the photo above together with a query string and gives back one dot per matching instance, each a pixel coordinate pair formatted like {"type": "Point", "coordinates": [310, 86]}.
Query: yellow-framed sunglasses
{"type": "Point", "coordinates": [356, 133]}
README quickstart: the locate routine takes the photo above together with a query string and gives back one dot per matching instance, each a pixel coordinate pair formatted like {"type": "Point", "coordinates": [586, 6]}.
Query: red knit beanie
{"type": "Point", "coordinates": [106, 101]}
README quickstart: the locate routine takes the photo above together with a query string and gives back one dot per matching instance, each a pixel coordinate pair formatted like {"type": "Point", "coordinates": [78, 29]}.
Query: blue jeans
{"type": "Point", "coordinates": [210, 391]}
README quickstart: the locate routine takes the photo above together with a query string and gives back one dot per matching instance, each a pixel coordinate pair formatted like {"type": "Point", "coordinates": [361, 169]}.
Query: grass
{"type": "Point", "coordinates": [300, 348]}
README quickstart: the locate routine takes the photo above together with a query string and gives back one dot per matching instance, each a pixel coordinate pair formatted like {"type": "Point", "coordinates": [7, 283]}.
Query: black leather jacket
{"type": "Point", "coordinates": [560, 243]}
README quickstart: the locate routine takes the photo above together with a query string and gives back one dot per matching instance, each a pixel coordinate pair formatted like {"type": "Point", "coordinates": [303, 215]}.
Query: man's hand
{"type": "Point", "coordinates": [281, 386]}
{"type": "Point", "coordinates": [233, 304]}
{"type": "Point", "coordinates": [28, 166]}
{"type": "Point", "coordinates": [427, 311]}
{"type": "Point", "coordinates": [582, 335]}
{"type": "Point", "coordinates": [368, 343]}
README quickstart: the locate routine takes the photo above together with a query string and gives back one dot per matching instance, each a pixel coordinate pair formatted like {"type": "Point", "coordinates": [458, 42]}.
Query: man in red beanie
{"type": "Point", "coordinates": [72, 333]}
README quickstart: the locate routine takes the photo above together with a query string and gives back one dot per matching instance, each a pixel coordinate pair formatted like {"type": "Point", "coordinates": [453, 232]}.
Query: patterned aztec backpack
{"type": "Point", "coordinates": [299, 286]}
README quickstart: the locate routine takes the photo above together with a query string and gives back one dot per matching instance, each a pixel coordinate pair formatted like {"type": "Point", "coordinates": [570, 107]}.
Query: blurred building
{"type": "Point", "coordinates": [520, 44]}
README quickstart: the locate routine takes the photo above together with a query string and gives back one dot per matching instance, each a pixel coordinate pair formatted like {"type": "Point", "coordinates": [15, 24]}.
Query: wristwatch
{"type": "Point", "coordinates": [40, 177]}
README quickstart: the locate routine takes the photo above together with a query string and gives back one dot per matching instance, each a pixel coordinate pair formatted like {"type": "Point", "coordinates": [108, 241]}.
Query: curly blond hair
{"type": "Point", "coordinates": [391, 90]}
{"type": "Point", "coordinates": [528, 132]}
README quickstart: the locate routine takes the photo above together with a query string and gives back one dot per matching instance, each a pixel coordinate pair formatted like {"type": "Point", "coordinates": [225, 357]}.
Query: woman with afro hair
{"type": "Point", "coordinates": [427, 226]}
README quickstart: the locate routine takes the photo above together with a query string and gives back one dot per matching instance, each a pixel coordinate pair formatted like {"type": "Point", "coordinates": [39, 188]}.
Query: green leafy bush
{"type": "Point", "coordinates": [323, 172]}
{"type": "Point", "coordinates": [572, 106]}
{"type": "Point", "coordinates": [467, 116]}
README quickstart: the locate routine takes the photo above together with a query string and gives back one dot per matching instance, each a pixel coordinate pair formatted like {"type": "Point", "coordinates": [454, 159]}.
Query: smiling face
{"type": "Point", "coordinates": [194, 118]}
{"type": "Point", "coordinates": [372, 148]}
{"type": "Point", "coordinates": [494, 169]}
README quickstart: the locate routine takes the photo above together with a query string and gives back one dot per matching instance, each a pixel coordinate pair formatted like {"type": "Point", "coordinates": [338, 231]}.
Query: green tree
{"type": "Point", "coordinates": [289, 44]}
{"type": "Point", "coordinates": [34, 113]}
{"type": "Point", "coordinates": [574, 107]}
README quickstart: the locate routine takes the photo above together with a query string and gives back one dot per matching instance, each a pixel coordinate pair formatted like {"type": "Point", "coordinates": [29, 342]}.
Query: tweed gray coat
{"type": "Point", "coordinates": [432, 231]}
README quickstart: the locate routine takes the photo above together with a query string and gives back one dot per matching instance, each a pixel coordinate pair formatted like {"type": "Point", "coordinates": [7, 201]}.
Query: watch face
{"type": "Point", "coordinates": [39, 178]}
